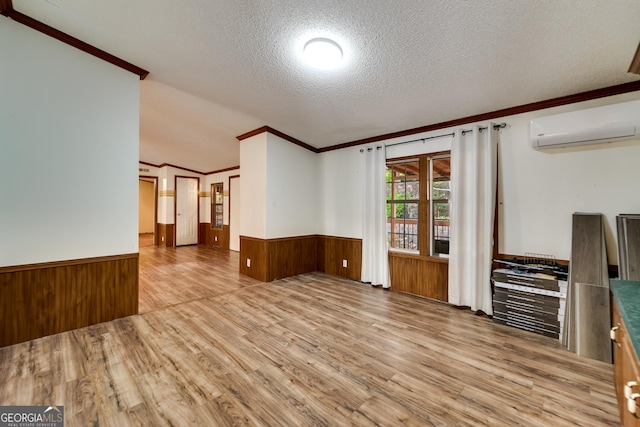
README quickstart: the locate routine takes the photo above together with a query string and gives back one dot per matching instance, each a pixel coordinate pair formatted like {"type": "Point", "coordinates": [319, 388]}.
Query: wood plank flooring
{"type": "Point", "coordinates": [170, 276]}
{"type": "Point", "coordinates": [308, 350]}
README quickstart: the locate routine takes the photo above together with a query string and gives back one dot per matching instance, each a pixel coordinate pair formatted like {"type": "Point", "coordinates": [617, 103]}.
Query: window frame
{"type": "Point", "coordinates": [217, 188]}
{"type": "Point", "coordinates": [432, 240]}
{"type": "Point", "coordinates": [425, 208]}
{"type": "Point", "coordinates": [395, 202]}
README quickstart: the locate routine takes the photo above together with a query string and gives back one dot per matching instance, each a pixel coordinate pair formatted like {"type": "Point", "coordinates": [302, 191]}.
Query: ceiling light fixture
{"type": "Point", "coordinates": [323, 53]}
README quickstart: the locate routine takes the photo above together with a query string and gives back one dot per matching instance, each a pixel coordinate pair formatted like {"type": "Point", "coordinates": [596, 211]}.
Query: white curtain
{"type": "Point", "coordinates": [375, 261]}
{"type": "Point", "coordinates": [474, 164]}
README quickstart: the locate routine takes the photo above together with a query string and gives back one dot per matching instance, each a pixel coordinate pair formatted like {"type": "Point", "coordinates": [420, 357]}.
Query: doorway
{"type": "Point", "coordinates": [147, 210]}
{"type": "Point", "coordinates": [187, 209]}
{"type": "Point", "coordinates": [234, 213]}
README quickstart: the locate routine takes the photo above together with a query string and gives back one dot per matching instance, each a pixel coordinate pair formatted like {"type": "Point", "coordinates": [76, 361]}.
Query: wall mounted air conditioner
{"type": "Point", "coordinates": [616, 122]}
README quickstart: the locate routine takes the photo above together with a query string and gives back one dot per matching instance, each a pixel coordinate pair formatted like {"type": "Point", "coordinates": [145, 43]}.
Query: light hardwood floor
{"type": "Point", "coordinates": [220, 349]}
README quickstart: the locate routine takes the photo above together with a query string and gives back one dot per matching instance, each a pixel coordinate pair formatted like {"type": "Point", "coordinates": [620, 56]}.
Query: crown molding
{"type": "Point", "coordinates": [276, 132]}
{"type": "Point", "coordinates": [6, 9]}
{"type": "Point", "coordinates": [187, 169]}
{"type": "Point", "coordinates": [525, 108]}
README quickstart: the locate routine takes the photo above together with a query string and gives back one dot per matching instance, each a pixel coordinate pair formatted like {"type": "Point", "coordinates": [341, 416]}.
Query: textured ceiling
{"type": "Point", "coordinates": [222, 68]}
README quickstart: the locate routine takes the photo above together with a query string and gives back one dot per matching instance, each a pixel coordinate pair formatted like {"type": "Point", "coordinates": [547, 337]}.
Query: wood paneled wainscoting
{"type": "Point", "coordinates": [214, 236]}
{"type": "Point", "coordinates": [272, 259]}
{"type": "Point", "coordinates": [332, 251]}
{"type": "Point", "coordinates": [425, 276]}
{"type": "Point", "coordinates": [37, 300]}
{"type": "Point", "coordinates": [164, 235]}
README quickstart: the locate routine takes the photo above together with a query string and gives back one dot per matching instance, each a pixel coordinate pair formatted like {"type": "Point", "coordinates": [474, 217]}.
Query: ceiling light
{"type": "Point", "coordinates": [323, 53]}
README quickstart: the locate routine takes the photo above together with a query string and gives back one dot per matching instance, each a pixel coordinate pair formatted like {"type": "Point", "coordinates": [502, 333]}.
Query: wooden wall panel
{"type": "Point", "coordinates": [164, 235]}
{"type": "Point", "coordinates": [291, 256]}
{"type": "Point", "coordinates": [273, 259]}
{"type": "Point", "coordinates": [43, 299]}
{"type": "Point", "coordinates": [321, 254]}
{"type": "Point", "coordinates": [419, 275]}
{"type": "Point", "coordinates": [255, 250]}
{"type": "Point", "coordinates": [332, 250]}
{"type": "Point", "coordinates": [222, 235]}
{"type": "Point", "coordinates": [208, 236]}
{"type": "Point", "coordinates": [203, 233]}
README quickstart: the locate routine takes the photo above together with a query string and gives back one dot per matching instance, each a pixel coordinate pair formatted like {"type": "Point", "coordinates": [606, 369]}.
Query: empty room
{"type": "Point", "coordinates": [291, 213]}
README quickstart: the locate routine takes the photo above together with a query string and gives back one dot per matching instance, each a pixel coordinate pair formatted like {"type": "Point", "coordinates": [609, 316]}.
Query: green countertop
{"type": "Point", "coordinates": [627, 295]}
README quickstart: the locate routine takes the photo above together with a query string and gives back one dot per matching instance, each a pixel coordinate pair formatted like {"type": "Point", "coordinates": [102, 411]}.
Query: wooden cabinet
{"type": "Point", "coordinates": [626, 370]}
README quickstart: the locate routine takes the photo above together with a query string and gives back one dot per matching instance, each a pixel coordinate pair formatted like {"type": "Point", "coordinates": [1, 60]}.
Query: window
{"type": "Point", "coordinates": [418, 204]}
{"type": "Point", "coordinates": [217, 214]}
{"type": "Point", "coordinates": [403, 196]}
{"type": "Point", "coordinates": [440, 178]}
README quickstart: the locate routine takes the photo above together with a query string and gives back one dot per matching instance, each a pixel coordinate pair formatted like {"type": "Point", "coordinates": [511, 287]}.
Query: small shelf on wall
{"type": "Point", "coordinates": [217, 205]}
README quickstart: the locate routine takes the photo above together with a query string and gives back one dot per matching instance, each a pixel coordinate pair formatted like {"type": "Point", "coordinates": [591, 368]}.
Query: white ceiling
{"type": "Point", "coordinates": [220, 68]}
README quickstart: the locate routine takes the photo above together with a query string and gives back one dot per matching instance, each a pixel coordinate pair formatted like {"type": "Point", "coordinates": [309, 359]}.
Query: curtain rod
{"type": "Point", "coordinates": [496, 127]}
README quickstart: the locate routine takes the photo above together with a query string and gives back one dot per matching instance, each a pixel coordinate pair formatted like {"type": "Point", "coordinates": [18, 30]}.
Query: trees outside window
{"type": "Point", "coordinates": [418, 204]}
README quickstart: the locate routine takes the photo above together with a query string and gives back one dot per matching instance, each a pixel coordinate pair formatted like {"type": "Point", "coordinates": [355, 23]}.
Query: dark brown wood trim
{"type": "Point", "coordinates": [286, 239]}
{"type": "Point", "coordinates": [183, 168]}
{"type": "Point", "coordinates": [407, 255]}
{"type": "Point", "coordinates": [352, 239]}
{"type": "Point", "coordinates": [187, 169]}
{"type": "Point", "coordinates": [525, 108]}
{"type": "Point", "coordinates": [277, 133]}
{"type": "Point", "coordinates": [252, 239]}
{"type": "Point", "coordinates": [149, 164]}
{"type": "Point", "coordinates": [66, 263]}
{"type": "Point", "coordinates": [635, 63]}
{"type": "Point", "coordinates": [6, 7]}
{"type": "Point", "coordinates": [9, 11]}
{"type": "Point", "coordinates": [251, 133]}
{"type": "Point", "coordinates": [171, 165]}
{"type": "Point", "coordinates": [223, 170]}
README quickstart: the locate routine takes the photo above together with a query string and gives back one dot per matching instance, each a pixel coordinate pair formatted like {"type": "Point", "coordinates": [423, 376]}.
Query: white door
{"type": "Point", "coordinates": [234, 214]}
{"type": "Point", "coordinates": [186, 211]}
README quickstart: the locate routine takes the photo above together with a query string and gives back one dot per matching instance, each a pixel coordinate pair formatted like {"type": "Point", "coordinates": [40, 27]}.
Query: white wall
{"type": "Point", "coordinates": [292, 194]}
{"type": "Point", "coordinates": [538, 191]}
{"type": "Point", "coordinates": [69, 151]}
{"type": "Point", "coordinates": [340, 193]}
{"type": "Point", "coordinates": [253, 181]}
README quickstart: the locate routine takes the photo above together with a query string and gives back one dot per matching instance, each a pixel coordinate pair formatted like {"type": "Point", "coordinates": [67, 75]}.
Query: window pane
{"type": "Point", "coordinates": [411, 210]}
{"type": "Point", "coordinates": [413, 190]}
{"type": "Point", "coordinates": [441, 211]}
{"type": "Point", "coordinates": [402, 217]}
{"type": "Point", "coordinates": [440, 206]}
{"type": "Point", "coordinates": [441, 168]}
{"type": "Point", "coordinates": [441, 190]}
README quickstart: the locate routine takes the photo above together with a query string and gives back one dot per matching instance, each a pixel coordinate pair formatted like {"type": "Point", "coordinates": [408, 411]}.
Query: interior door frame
{"type": "Point", "coordinates": [155, 205]}
{"type": "Point", "coordinates": [230, 197]}
{"type": "Point", "coordinates": [175, 209]}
